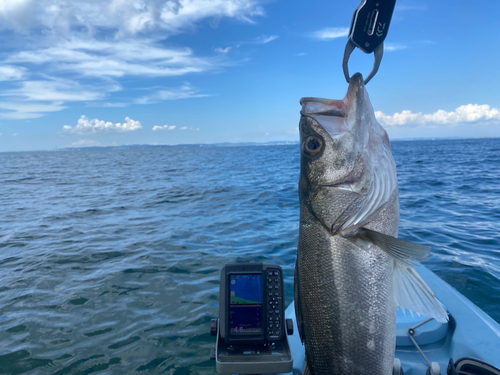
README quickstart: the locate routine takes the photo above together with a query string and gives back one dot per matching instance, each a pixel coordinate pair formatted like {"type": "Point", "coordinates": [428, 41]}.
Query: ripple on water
{"type": "Point", "coordinates": [111, 259]}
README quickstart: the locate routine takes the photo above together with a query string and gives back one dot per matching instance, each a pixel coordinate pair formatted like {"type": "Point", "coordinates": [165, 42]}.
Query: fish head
{"type": "Point", "coordinates": [347, 169]}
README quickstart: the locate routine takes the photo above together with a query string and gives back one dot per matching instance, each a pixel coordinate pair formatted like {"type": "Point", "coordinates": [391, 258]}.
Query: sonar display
{"type": "Point", "coordinates": [245, 289]}
{"type": "Point", "coordinates": [245, 302]}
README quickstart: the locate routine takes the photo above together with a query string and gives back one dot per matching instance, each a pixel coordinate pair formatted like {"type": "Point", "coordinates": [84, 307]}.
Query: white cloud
{"type": "Point", "coordinates": [85, 143]}
{"type": "Point", "coordinates": [99, 126]}
{"type": "Point", "coordinates": [222, 50]}
{"type": "Point", "coordinates": [188, 128]}
{"type": "Point", "coordinates": [56, 90]}
{"type": "Point", "coordinates": [16, 14]}
{"type": "Point", "coordinates": [411, 7]}
{"type": "Point", "coordinates": [394, 46]}
{"type": "Point", "coordinates": [331, 33]}
{"type": "Point", "coordinates": [105, 39]}
{"type": "Point", "coordinates": [264, 39]}
{"type": "Point", "coordinates": [127, 17]}
{"type": "Point", "coordinates": [24, 102]}
{"type": "Point", "coordinates": [164, 127]}
{"type": "Point", "coordinates": [120, 58]}
{"type": "Point", "coordinates": [108, 105]}
{"type": "Point", "coordinates": [25, 110]}
{"type": "Point", "coordinates": [15, 134]}
{"type": "Point", "coordinates": [185, 91]}
{"type": "Point", "coordinates": [470, 113]}
{"type": "Point", "coordinates": [301, 54]}
{"type": "Point", "coordinates": [11, 73]}
{"type": "Point", "coordinates": [102, 60]}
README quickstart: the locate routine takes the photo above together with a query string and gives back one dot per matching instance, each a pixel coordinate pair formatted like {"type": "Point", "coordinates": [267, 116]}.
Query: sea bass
{"type": "Point", "coordinates": [351, 271]}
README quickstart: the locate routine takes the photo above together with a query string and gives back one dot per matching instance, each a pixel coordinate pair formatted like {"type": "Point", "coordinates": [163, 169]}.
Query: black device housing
{"type": "Point", "coordinates": [272, 318]}
{"type": "Point", "coordinates": [370, 23]}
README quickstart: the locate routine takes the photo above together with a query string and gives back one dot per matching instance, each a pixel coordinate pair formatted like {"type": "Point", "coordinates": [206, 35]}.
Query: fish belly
{"type": "Point", "coordinates": [346, 302]}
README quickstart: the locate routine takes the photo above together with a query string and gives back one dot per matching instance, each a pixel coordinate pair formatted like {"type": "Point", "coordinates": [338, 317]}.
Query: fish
{"type": "Point", "coordinates": [351, 271]}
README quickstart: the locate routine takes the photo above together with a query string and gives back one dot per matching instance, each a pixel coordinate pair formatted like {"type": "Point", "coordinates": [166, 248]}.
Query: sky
{"type": "Point", "coordinates": [78, 73]}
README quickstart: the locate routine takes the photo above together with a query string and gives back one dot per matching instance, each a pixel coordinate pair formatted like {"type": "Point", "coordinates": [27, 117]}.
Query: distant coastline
{"type": "Point", "coordinates": [241, 144]}
{"type": "Point", "coordinates": [231, 144]}
{"type": "Point", "coordinates": [221, 144]}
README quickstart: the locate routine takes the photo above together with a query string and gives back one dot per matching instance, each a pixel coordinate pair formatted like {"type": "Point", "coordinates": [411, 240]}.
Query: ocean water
{"type": "Point", "coordinates": [110, 259]}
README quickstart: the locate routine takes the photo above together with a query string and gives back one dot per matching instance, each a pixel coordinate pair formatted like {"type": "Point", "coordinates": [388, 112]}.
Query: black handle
{"type": "Point", "coordinates": [289, 327]}
{"type": "Point", "coordinates": [213, 327]}
{"type": "Point", "coordinates": [370, 23]}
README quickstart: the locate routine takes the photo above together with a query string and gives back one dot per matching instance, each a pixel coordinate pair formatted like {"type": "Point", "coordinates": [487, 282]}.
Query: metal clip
{"type": "Point", "coordinates": [369, 27]}
{"type": "Point", "coordinates": [378, 52]}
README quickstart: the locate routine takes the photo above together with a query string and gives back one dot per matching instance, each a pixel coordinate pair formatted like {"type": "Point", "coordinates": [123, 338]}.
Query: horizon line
{"type": "Point", "coordinates": [226, 144]}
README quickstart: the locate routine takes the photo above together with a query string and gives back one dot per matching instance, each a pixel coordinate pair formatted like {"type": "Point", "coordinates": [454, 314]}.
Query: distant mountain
{"type": "Point", "coordinates": [240, 144]}
{"type": "Point", "coordinates": [223, 144]}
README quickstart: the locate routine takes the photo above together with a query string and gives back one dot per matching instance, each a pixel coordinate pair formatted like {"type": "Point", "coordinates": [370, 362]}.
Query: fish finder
{"type": "Point", "coordinates": [252, 330]}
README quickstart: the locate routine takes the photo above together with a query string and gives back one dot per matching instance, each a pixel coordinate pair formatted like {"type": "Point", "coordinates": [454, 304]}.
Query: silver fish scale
{"type": "Point", "coordinates": [344, 288]}
{"type": "Point", "coordinates": [346, 298]}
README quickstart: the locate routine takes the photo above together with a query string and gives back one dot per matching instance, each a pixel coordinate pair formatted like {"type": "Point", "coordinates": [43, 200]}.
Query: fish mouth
{"type": "Point", "coordinates": [336, 117]}
{"type": "Point", "coordinates": [312, 106]}
{"type": "Point", "coordinates": [323, 107]}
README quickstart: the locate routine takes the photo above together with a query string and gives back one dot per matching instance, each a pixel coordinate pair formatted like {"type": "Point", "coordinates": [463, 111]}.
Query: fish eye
{"type": "Point", "coordinates": [313, 145]}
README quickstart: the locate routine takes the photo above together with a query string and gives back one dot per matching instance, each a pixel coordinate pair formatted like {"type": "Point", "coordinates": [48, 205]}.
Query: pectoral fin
{"type": "Point", "coordinates": [296, 296]}
{"type": "Point", "coordinates": [410, 291]}
{"type": "Point", "coordinates": [399, 249]}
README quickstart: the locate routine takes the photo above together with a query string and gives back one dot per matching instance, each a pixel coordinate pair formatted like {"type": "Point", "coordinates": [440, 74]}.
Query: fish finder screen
{"type": "Point", "coordinates": [245, 304]}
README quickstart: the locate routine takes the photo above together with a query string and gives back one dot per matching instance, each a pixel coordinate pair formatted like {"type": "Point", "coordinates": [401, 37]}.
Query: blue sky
{"type": "Point", "coordinates": [114, 72]}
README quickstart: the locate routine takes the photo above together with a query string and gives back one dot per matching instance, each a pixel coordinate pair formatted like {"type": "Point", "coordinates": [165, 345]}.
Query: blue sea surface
{"type": "Point", "coordinates": [110, 258]}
